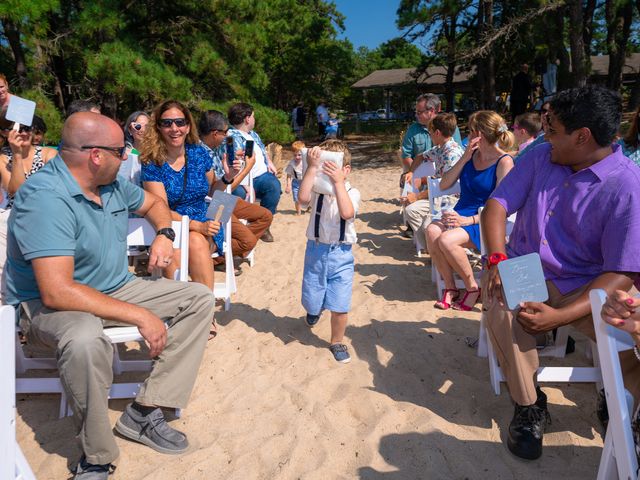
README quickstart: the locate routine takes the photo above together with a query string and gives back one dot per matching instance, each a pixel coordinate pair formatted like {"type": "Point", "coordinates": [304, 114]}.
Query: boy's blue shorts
{"type": "Point", "coordinates": [327, 281]}
{"type": "Point", "coordinates": [295, 188]}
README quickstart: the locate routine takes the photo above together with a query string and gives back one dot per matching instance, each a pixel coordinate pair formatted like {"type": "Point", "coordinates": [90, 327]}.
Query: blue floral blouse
{"type": "Point", "coordinates": [191, 202]}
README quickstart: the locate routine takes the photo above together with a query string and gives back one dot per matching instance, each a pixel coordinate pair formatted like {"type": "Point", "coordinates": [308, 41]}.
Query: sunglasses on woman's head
{"type": "Point", "coordinates": [167, 122]}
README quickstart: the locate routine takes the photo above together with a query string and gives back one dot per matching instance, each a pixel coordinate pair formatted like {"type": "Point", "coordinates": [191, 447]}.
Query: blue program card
{"type": "Point", "coordinates": [221, 206]}
{"type": "Point", "coordinates": [523, 280]}
{"type": "Point", "coordinates": [20, 110]}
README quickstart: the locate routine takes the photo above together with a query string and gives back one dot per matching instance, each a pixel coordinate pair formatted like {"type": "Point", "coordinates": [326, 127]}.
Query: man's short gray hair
{"type": "Point", "coordinates": [433, 100]}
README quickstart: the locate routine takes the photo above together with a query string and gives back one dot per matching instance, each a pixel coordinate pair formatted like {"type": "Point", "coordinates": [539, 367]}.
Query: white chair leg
{"type": "Point", "coordinates": [117, 363]}
{"type": "Point", "coordinates": [607, 469]}
{"type": "Point", "coordinates": [227, 304]}
{"type": "Point", "coordinates": [64, 407]}
{"type": "Point", "coordinates": [483, 349]}
{"type": "Point", "coordinates": [495, 374]}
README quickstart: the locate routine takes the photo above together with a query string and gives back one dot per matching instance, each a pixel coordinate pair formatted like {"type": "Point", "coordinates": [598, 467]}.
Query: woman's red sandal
{"type": "Point", "coordinates": [443, 304]}
{"type": "Point", "coordinates": [468, 301]}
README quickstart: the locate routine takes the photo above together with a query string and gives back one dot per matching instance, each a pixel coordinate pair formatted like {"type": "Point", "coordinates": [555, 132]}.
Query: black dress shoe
{"type": "Point", "coordinates": [527, 428]}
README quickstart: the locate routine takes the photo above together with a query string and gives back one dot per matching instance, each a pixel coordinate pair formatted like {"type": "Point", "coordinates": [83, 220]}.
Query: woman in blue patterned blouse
{"type": "Point", "coordinates": [176, 168]}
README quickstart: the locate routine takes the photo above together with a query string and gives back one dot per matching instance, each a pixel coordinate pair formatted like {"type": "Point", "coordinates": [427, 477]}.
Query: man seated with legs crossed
{"type": "Point", "coordinates": [67, 270]}
{"type": "Point", "coordinates": [578, 205]}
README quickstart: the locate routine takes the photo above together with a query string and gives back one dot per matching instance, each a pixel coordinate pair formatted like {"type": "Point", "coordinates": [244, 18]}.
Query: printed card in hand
{"type": "Point", "coordinates": [523, 280]}
{"type": "Point", "coordinates": [221, 206]}
{"type": "Point", "coordinates": [323, 184]}
{"type": "Point", "coordinates": [20, 111]}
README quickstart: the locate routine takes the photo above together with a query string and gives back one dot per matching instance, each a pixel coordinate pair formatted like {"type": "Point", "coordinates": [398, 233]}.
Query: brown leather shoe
{"type": "Point", "coordinates": [266, 236]}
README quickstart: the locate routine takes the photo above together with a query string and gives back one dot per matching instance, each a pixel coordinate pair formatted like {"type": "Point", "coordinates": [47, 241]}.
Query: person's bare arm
{"type": "Point", "coordinates": [450, 177]}
{"type": "Point", "coordinates": [494, 233]}
{"type": "Point", "coordinates": [58, 290]}
{"type": "Point", "coordinates": [158, 190]}
{"type": "Point", "coordinates": [313, 159]}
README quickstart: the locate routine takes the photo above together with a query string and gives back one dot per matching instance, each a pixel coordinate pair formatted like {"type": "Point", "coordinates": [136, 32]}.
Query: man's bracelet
{"type": "Point", "coordinates": [227, 182]}
{"type": "Point", "coordinates": [636, 350]}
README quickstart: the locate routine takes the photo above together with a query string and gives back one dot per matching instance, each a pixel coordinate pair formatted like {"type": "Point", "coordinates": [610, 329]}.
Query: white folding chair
{"type": "Point", "coordinates": [251, 198]}
{"type": "Point", "coordinates": [618, 460]}
{"type": "Point", "coordinates": [435, 214]}
{"type": "Point", "coordinates": [13, 464]}
{"type": "Point", "coordinates": [227, 288]}
{"type": "Point", "coordinates": [140, 233]}
{"type": "Point", "coordinates": [425, 169]}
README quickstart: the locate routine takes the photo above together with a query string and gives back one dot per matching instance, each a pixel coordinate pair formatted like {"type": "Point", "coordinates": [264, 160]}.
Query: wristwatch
{"type": "Point", "coordinates": [225, 181]}
{"type": "Point", "coordinates": [495, 258]}
{"type": "Point", "coordinates": [167, 232]}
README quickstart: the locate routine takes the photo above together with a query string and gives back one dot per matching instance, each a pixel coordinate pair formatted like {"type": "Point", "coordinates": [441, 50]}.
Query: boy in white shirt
{"type": "Point", "coordinates": [294, 173]}
{"type": "Point", "coordinates": [328, 263]}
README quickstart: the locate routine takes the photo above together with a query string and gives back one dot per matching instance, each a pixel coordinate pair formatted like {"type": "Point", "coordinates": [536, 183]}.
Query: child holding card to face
{"type": "Point", "coordinates": [328, 264]}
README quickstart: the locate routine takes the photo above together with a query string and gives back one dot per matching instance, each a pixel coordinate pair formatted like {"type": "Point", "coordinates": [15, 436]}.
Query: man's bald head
{"type": "Point", "coordinates": [88, 128]}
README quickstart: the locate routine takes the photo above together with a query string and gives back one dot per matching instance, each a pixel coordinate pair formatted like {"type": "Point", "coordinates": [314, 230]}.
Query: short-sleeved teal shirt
{"type": "Point", "coordinates": [51, 217]}
{"type": "Point", "coordinates": [417, 140]}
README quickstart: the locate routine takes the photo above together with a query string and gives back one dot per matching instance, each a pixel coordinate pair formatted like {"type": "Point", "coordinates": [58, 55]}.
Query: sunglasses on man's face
{"type": "Point", "coordinates": [167, 122]}
{"type": "Point", "coordinates": [119, 151]}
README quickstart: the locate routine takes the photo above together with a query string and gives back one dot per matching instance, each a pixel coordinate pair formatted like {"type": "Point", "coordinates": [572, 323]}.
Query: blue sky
{"type": "Point", "coordinates": [369, 22]}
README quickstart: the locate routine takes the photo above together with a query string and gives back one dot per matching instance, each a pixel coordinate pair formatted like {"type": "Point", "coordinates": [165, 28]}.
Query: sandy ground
{"type": "Point", "coordinates": [271, 403]}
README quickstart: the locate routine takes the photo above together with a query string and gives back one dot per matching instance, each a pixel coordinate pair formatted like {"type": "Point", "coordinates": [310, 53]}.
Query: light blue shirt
{"type": "Point", "coordinates": [51, 217]}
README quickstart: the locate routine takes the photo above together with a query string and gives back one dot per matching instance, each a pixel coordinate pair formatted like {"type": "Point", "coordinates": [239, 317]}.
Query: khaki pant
{"type": "Point", "coordinates": [85, 354]}
{"type": "Point", "coordinates": [516, 349]}
{"type": "Point", "coordinates": [245, 237]}
{"type": "Point", "coordinates": [415, 215]}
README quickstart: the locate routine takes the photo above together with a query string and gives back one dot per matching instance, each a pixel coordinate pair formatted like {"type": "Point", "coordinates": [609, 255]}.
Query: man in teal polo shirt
{"type": "Point", "coordinates": [417, 139]}
{"type": "Point", "coordinates": [67, 269]}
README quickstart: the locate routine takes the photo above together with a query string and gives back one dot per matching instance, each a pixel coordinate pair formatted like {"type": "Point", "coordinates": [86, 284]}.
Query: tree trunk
{"type": "Point", "coordinates": [576, 42]}
{"type": "Point", "coordinates": [618, 18]}
{"type": "Point", "coordinates": [634, 97]}
{"type": "Point", "coordinates": [450, 33]}
{"type": "Point", "coordinates": [480, 61]}
{"type": "Point", "coordinates": [564, 72]}
{"type": "Point", "coordinates": [12, 32]}
{"type": "Point", "coordinates": [587, 28]}
{"type": "Point", "coordinates": [490, 81]}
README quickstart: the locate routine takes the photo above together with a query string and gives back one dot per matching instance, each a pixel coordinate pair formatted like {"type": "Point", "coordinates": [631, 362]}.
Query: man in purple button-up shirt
{"type": "Point", "coordinates": [578, 204]}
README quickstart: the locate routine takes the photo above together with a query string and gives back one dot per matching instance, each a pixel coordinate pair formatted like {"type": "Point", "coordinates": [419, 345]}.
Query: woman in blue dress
{"type": "Point", "coordinates": [177, 169]}
{"type": "Point", "coordinates": [481, 168]}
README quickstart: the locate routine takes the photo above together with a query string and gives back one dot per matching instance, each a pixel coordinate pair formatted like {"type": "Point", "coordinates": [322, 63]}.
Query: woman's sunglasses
{"type": "Point", "coordinates": [167, 122]}
{"type": "Point", "coordinates": [23, 129]}
{"type": "Point", "coordinates": [138, 126]}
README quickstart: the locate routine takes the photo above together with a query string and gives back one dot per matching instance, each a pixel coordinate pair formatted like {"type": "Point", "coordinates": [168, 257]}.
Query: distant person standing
{"type": "Point", "coordinates": [322, 115]}
{"type": "Point", "coordinates": [520, 91]}
{"type": "Point", "coordinates": [298, 120]}
{"type": "Point", "coordinates": [4, 93]}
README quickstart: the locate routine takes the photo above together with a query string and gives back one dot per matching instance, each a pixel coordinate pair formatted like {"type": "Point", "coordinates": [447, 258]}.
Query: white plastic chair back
{"type": "Point", "coordinates": [436, 192]}
{"type": "Point", "coordinates": [13, 465]}
{"type": "Point", "coordinates": [618, 458]}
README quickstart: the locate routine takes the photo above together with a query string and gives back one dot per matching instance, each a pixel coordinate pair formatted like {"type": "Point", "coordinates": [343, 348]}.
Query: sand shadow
{"type": "Point", "coordinates": [420, 362]}
{"type": "Point", "coordinates": [405, 283]}
{"type": "Point", "coordinates": [286, 329]}
{"type": "Point", "coordinates": [429, 456]}
{"type": "Point", "coordinates": [391, 245]}
{"type": "Point", "coordinates": [381, 220]}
